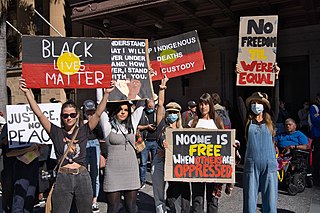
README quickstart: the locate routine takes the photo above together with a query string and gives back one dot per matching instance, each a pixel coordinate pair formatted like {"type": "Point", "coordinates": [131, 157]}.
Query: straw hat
{"type": "Point", "coordinates": [258, 96]}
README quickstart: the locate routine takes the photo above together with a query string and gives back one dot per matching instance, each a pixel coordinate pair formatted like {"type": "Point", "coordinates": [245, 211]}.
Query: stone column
{"type": "Point", "coordinates": [57, 13]}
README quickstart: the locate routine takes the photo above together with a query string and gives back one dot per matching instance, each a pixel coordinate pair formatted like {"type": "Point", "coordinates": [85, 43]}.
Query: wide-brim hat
{"type": "Point", "coordinates": [173, 106]}
{"type": "Point", "coordinates": [258, 96]}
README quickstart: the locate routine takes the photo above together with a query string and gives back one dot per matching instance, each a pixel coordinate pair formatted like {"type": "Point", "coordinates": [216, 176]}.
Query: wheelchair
{"type": "Point", "coordinates": [294, 170]}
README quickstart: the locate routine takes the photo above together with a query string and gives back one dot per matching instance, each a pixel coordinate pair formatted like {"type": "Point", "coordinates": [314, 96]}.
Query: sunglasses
{"type": "Point", "coordinates": [72, 115]}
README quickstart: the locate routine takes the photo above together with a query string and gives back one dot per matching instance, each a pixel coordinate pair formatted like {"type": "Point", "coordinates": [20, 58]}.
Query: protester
{"type": "Point", "coordinates": [224, 116]}
{"type": "Point", "coordinates": [122, 170]}
{"type": "Point", "coordinates": [189, 114]}
{"type": "Point", "coordinates": [73, 180]}
{"type": "Point", "coordinates": [7, 172]}
{"type": "Point", "coordinates": [260, 166]}
{"type": "Point", "coordinates": [303, 114]}
{"type": "Point", "coordinates": [206, 118]}
{"type": "Point", "coordinates": [315, 135]}
{"type": "Point", "coordinates": [93, 151]}
{"type": "Point", "coordinates": [282, 116]}
{"type": "Point", "coordinates": [170, 119]}
{"type": "Point", "coordinates": [292, 138]}
{"type": "Point", "coordinates": [147, 126]}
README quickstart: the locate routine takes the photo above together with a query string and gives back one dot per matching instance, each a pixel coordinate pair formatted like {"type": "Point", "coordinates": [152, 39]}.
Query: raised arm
{"type": "Point", "coordinates": [34, 106]}
{"type": "Point", "coordinates": [160, 110]}
{"type": "Point", "coordinates": [100, 108]}
{"type": "Point", "coordinates": [276, 70]}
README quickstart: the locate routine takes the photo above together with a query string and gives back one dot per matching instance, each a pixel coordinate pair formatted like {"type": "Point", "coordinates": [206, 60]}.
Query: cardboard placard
{"type": "Point", "coordinates": [200, 155]}
{"type": "Point", "coordinates": [257, 50]}
{"type": "Point", "coordinates": [24, 127]}
{"type": "Point", "coordinates": [176, 56]}
{"type": "Point", "coordinates": [60, 62]}
{"type": "Point", "coordinates": [130, 70]}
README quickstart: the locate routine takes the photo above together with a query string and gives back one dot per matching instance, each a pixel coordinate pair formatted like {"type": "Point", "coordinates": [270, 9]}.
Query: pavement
{"type": "Point", "coordinates": [306, 202]}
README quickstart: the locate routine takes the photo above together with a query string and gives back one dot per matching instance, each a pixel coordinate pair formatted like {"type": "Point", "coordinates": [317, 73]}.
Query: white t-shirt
{"type": "Point", "coordinates": [204, 123]}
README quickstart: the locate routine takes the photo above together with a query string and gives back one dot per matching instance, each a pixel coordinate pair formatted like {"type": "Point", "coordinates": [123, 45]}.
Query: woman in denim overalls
{"type": "Point", "coordinates": [260, 166]}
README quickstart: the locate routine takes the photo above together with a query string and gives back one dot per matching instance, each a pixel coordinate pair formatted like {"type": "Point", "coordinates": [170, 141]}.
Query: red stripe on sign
{"type": "Point", "coordinates": [187, 64]}
{"type": "Point", "coordinates": [47, 76]}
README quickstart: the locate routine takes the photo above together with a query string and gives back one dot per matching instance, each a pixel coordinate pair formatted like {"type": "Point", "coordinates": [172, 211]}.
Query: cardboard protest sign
{"type": "Point", "coordinates": [200, 155]}
{"type": "Point", "coordinates": [129, 62]}
{"type": "Point", "coordinates": [59, 62]}
{"type": "Point", "coordinates": [24, 127]}
{"type": "Point", "coordinates": [257, 50]}
{"type": "Point", "coordinates": [176, 56]}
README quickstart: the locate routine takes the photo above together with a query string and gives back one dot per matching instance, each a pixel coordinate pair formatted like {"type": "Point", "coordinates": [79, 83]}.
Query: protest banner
{"type": "Point", "coordinates": [200, 155]}
{"type": "Point", "coordinates": [176, 56]}
{"type": "Point", "coordinates": [24, 127]}
{"type": "Point", "coordinates": [257, 50]}
{"type": "Point", "coordinates": [59, 62]}
{"type": "Point", "coordinates": [129, 64]}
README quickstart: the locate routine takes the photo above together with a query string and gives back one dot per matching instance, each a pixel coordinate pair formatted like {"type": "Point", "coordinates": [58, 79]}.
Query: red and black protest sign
{"type": "Point", "coordinates": [130, 69]}
{"type": "Point", "coordinates": [176, 56]}
{"type": "Point", "coordinates": [257, 50]}
{"type": "Point", "coordinates": [59, 62]}
{"type": "Point", "coordinates": [200, 155]}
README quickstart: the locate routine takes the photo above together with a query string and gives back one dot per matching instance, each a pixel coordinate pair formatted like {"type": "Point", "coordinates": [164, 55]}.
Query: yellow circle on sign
{"type": "Point", "coordinates": [168, 56]}
{"type": "Point", "coordinates": [68, 63]}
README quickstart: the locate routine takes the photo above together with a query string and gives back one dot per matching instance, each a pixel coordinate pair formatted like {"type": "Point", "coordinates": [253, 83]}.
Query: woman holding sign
{"type": "Point", "coordinates": [73, 180]}
{"type": "Point", "coordinates": [122, 169]}
{"type": "Point", "coordinates": [206, 118]}
{"type": "Point", "coordinates": [171, 118]}
{"type": "Point", "coordinates": [260, 166]}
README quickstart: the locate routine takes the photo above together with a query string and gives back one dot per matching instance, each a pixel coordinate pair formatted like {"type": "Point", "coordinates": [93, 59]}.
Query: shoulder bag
{"type": "Point", "coordinates": [49, 198]}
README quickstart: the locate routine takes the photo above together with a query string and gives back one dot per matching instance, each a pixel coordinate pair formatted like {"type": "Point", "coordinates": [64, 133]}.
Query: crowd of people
{"type": "Point", "coordinates": [98, 132]}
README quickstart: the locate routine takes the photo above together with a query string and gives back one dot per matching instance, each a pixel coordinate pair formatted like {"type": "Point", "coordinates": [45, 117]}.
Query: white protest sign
{"type": "Point", "coordinates": [257, 50]}
{"type": "Point", "coordinates": [24, 127]}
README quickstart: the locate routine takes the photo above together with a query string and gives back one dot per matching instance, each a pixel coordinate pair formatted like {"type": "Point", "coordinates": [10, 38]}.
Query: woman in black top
{"type": "Point", "coordinates": [73, 180]}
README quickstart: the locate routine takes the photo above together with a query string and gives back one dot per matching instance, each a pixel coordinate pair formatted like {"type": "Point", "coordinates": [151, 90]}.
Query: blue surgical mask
{"type": "Point", "coordinates": [150, 111]}
{"type": "Point", "coordinates": [257, 108]}
{"type": "Point", "coordinates": [172, 118]}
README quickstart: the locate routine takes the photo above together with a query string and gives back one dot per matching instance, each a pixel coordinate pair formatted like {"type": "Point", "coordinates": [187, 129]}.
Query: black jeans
{"type": "Point", "coordinates": [69, 187]}
{"type": "Point", "coordinates": [175, 189]}
{"type": "Point", "coordinates": [198, 198]}
{"type": "Point", "coordinates": [25, 177]}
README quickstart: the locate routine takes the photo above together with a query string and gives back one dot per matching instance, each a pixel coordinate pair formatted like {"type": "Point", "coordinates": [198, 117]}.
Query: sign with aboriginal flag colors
{"type": "Point", "coordinates": [176, 56]}
{"type": "Point", "coordinates": [257, 50]}
{"type": "Point", "coordinates": [200, 155]}
{"type": "Point", "coordinates": [59, 62]}
{"type": "Point", "coordinates": [130, 69]}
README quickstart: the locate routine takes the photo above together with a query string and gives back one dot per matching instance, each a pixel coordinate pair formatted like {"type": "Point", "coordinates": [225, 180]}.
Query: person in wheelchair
{"type": "Point", "coordinates": [293, 147]}
{"type": "Point", "coordinates": [292, 138]}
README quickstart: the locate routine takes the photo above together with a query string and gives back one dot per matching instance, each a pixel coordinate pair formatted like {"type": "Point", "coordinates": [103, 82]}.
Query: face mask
{"type": "Point", "coordinates": [257, 108]}
{"type": "Point", "coordinates": [150, 111]}
{"type": "Point", "coordinates": [172, 118]}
